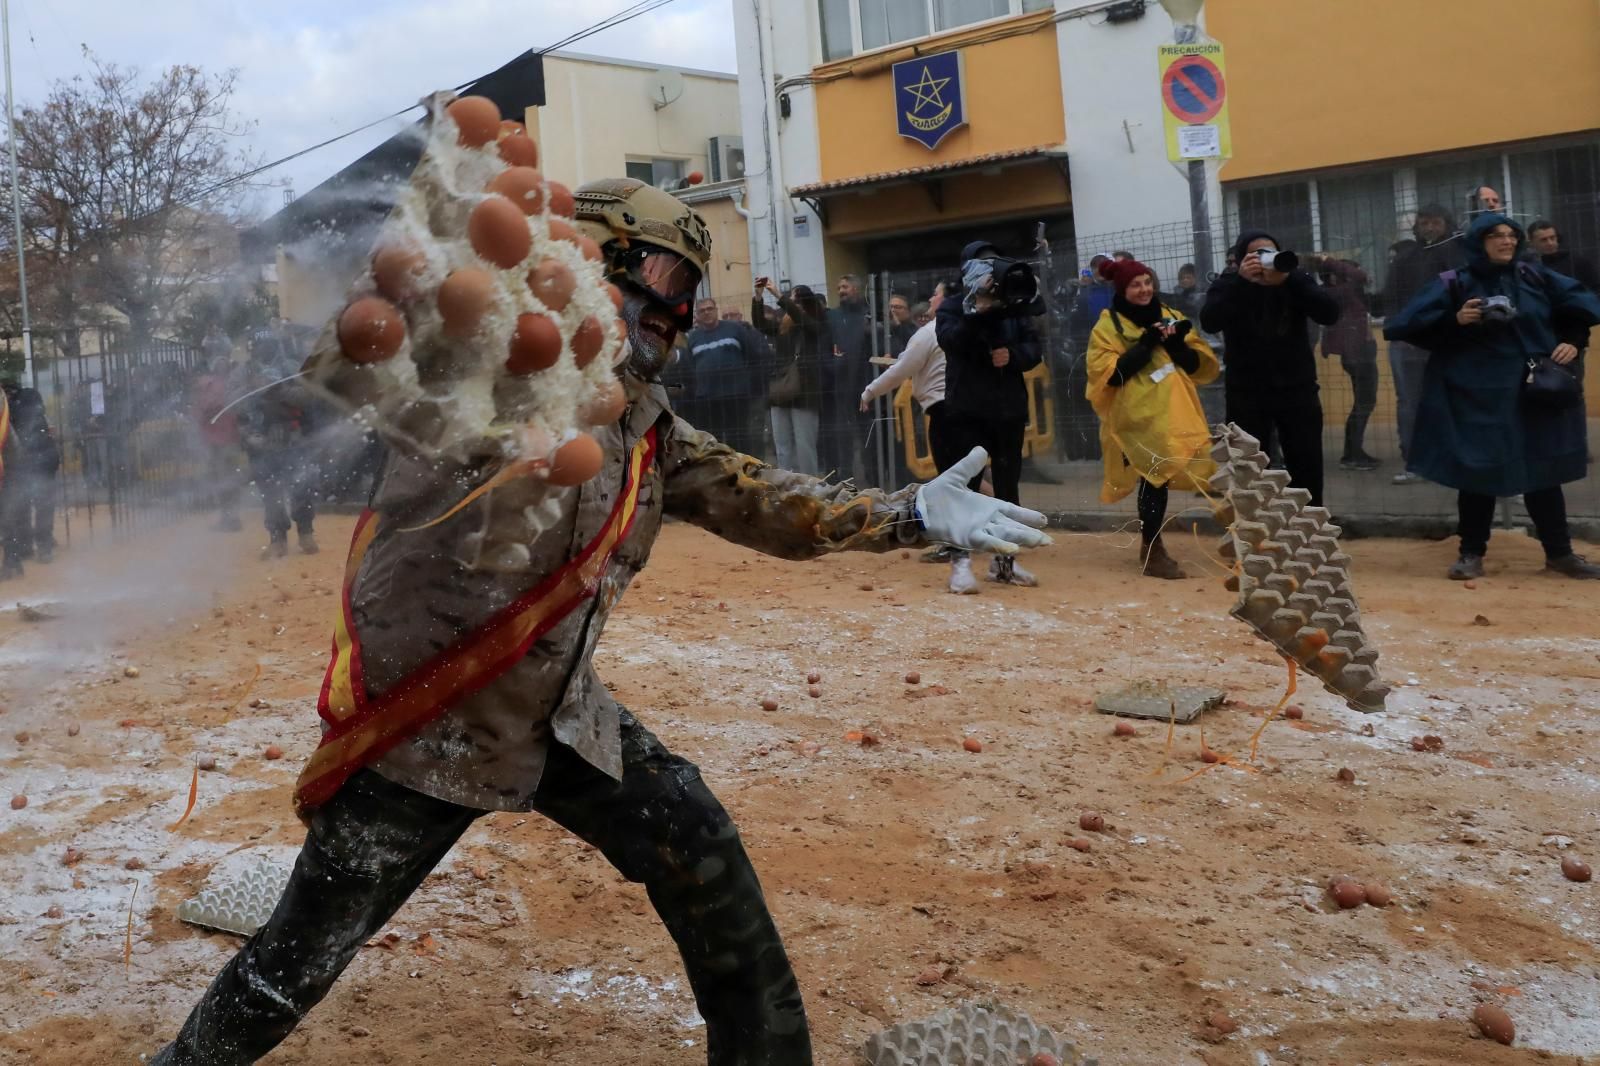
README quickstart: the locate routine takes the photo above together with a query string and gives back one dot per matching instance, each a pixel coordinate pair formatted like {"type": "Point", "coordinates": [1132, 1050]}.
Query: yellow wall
{"type": "Point", "coordinates": [898, 209]}
{"type": "Point", "coordinates": [1013, 100]}
{"type": "Point", "coordinates": [1320, 83]}
{"type": "Point", "coordinates": [729, 272]}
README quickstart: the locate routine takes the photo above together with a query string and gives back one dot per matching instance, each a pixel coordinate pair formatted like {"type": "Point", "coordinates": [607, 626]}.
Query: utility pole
{"type": "Point", "coordinates": [16, 201]}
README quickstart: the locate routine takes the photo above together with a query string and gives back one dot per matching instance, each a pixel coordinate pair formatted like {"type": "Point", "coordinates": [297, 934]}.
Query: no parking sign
{"type": "Point", "coordinates": [1194, 97]}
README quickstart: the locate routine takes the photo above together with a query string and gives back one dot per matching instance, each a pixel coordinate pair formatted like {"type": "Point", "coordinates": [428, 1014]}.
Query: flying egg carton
{"type": "Point", "coordinates": [239, 905]}
{"type": "Point", "coordinates": [970, 1035]}
{"type": "Point", "coordinates": [1293, 579]}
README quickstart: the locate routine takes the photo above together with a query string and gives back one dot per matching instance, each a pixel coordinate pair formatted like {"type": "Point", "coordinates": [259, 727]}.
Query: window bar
{"type": "Point", "coordinates": [1315, 203]}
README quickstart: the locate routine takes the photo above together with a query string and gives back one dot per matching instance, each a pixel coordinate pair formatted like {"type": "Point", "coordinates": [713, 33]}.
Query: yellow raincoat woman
{"type": "Point", "coordinates": [1145, 360]}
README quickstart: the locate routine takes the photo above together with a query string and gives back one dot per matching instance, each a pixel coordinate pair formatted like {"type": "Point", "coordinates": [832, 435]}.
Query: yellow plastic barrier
{"type": "Point", "coordinates": [1040, 438]}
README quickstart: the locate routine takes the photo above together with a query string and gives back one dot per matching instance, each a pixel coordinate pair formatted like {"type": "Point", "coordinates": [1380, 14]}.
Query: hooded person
{"type": "Point", "coordinates": [1479, 428]}
{"type": "Point", "coordinates": [989, 344]}
{"type": "Point", "coordinates": [1271, 388]}
{"type": "Point", "coordinates": [456, 690]}
{"type": "Point", "coordinates": [801, 340]}
{"type": "Point", "coordinates": [1145, 359]}
{"type": "Point", "coordinates": [1436, 247]}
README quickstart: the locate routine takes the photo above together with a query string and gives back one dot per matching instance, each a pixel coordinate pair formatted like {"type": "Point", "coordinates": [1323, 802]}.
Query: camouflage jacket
{"type": "Point", "coordinates": [411, 598]}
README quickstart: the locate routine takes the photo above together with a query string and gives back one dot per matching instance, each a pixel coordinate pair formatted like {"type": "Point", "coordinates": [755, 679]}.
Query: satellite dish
{"type": "Point", "coordinates": [666, 86]}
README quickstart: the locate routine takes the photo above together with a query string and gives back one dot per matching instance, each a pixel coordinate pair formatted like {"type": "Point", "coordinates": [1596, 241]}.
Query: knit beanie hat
{"type": "Point", "coordinates": [1122, 272]}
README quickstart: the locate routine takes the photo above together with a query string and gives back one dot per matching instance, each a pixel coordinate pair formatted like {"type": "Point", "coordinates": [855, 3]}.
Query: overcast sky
{"type": "Point", "coordinates": [311, 69]}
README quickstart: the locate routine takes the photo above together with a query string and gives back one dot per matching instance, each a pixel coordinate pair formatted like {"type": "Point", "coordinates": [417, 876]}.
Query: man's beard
{"type": "Point", "coordinates": [651, 332]}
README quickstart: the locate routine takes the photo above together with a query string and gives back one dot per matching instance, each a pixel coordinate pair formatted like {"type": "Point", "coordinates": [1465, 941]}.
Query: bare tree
{"type": "Point", "coordinates": [132, 193]}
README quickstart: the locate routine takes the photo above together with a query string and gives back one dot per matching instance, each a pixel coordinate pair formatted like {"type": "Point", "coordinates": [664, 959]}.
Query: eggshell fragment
{"type": "Point", "coordinates": [371, 330]}
{"type": "Point", "coordinates": [1575, 869]}
{"type": "Point", "coordinates": [499, 232]}
{"type": "Point", "coordinates": [1124, 729]}
{"type": "Point", "coordinates": [1090, 822]}
{"type": "Point", "coordinates": [207, 762]}
{"type": "Point", "coordinates": [73, 729]}
{"type": "Point", "coordinates": [523, 186]}
{"type": "Point", "coordinates": [1079, 844]}
{"type": "Point", "coordinates": [18, 802]}
{"type": "Point", "coordinates": [576, 461]}
{"type": "Point", "coordinates": [130, 671]}
{"type": "Point", "coordinates": [1345, 776]}
{"type": "Point", "coordinates": [1494, 1023]}
{"type": "Point", "coordinates": [1223, 1024]}
{"type": "Point", "coordinates": [477, 120]}
{"type": "Point", "coordinates": [535, 344]}
{"type": "Point", "coordinates": [972, 744]}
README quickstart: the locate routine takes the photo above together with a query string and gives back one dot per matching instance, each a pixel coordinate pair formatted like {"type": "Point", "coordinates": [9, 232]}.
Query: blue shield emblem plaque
{"type": "Point", "coordinates": [928, 98]}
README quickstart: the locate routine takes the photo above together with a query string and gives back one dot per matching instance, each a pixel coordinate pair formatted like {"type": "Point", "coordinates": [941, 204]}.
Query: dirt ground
{"type": "Point", "coordinates": [906, 875]}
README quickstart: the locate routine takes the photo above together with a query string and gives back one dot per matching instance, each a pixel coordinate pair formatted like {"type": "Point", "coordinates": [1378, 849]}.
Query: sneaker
{"type": "Point", "coordinates": [962, 582]}
{"type": "Point", "coordinates": [1573, 565]}
{"type": "Point", "coordinates": [1157, 563]}
{"type": "Point", "coordinates": [1467, 567]}
{"type": "Point", "coordinates": [308, 544]}
{"type": "Point", "coordinates": [1359, 462]}
{"type": "Point", "coordinates": [277, 549]}
{"type": "Point", "coordinates": [1405, 477]}
{"type": "Point", "coordinates": [939, 553]}
{"type": "Point", "coordinates": [1004, 570]}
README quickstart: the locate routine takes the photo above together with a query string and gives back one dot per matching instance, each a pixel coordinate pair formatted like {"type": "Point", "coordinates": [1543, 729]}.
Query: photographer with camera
{"type": "Point", "coordinates": [989, 341]}
{"type": "Point", "coordinates": [1144, 362]}
{"type": "Point", "coordinates": [1263, 309]}
{"type": "Point", "coordinates": [1502, 409]}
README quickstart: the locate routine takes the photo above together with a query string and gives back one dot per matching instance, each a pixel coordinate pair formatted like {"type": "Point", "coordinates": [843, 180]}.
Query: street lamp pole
{"type": "Point", "coordinates": [16, 200]}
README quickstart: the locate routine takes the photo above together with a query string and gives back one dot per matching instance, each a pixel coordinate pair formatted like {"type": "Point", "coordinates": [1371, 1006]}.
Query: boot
{"type": "Point", "coordinates": [277, 548]}
{"type": "Point", "coordinates": [1572, 565]}
{"type": "Point", "coordinates": [1004, 570]}
{"type": "Point", "coordinates": [962, 583]}
{"type": "Point", "coordinates": [1469, 566]}
{"type": "Point", "coordinates": [308, 544]}
{"type": "Point", "coordinates": [1157, 563]}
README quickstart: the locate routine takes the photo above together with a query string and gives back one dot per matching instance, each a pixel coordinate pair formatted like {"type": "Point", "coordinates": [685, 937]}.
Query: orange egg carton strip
{"type": "Point", "coordinates": [1293, 579]}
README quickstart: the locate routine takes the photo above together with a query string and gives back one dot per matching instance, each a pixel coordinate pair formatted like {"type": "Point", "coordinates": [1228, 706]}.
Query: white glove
{"type": "Point", "coordinates": [953, 514]}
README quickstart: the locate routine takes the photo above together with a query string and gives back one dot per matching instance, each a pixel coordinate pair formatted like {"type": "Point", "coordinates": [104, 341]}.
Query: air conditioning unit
{"type": "Point", "coordinates": [727, 158]}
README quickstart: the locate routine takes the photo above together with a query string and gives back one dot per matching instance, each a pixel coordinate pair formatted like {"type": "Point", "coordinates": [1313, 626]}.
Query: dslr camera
{"type": "Point", "coordinates": [1498, 309]}
{"type": "Point", "coordinates": [1282, 261]}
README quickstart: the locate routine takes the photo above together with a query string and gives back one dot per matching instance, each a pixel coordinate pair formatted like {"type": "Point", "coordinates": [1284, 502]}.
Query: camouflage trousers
{"type": "Point", "coordinates": [373, 844]}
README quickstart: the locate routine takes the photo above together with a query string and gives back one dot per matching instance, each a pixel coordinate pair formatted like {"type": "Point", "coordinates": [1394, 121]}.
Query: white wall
{"type": "Point", "coordinates": [599, 113]}
{"type": "Point", "coordinates": [1110, 75]}
{"type": "Point", "coordinates": [777, 40]}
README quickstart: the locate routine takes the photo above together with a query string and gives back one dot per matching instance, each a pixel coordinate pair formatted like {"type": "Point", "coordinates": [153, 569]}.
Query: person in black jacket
{"type": "Point", "coordinates": [1437, 247]}
{"type": "Point", "coordinates": [988, 346]}
{"type": "Point", "coordinates": [1271, 385]}
{"type": "Point", "coordinates": [1545, 242]}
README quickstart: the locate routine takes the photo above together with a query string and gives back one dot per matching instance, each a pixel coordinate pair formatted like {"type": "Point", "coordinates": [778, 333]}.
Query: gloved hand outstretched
{"type": "Point", "coordinates": [953, 514]}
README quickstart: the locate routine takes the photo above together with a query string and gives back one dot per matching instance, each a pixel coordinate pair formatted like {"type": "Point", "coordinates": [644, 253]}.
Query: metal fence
{"type": "Point", "coordinates": [1363, 224]}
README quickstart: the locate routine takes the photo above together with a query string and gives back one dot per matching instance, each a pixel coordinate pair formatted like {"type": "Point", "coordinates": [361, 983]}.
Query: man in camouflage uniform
{"type": "Point", "coordinates": [385, 802]}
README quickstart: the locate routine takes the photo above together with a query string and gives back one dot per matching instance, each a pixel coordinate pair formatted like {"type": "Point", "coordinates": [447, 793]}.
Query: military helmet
{"type": "Point", "coordinates": [634, 223]}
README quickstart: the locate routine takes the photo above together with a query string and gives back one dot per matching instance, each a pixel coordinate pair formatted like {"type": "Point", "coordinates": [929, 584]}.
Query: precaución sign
{"type": "Point", "coordinates": [1194, 97]}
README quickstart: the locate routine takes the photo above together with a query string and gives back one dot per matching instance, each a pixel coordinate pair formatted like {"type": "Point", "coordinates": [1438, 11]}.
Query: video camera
{"type": "Point", "coordinates": [1284, 262]}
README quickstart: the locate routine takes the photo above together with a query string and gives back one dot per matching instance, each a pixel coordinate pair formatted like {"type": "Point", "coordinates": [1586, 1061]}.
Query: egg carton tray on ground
{"type": "Point", "coordinates": [1160, 700]}
{"type": "Point", "coordinates": [1292, 577]}
{"type": "Point", "coordinates": [241, 904]}
{"type": "Point", "coordinates": [970, 1035]}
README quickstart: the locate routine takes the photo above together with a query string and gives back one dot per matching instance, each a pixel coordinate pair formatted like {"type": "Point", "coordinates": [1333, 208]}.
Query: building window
{"type": "Point", "coordinates": [657, 172]}
{"type": "Point", "coordinates": [851, 26]}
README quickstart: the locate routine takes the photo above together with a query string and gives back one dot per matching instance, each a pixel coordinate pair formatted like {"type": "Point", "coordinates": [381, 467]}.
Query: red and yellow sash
{"type": "Point", "coordinates": [361, 729]}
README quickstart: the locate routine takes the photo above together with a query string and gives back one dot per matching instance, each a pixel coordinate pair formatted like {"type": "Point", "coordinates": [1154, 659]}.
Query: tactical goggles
{"type": "Point", "coordinates": [668, 275]}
